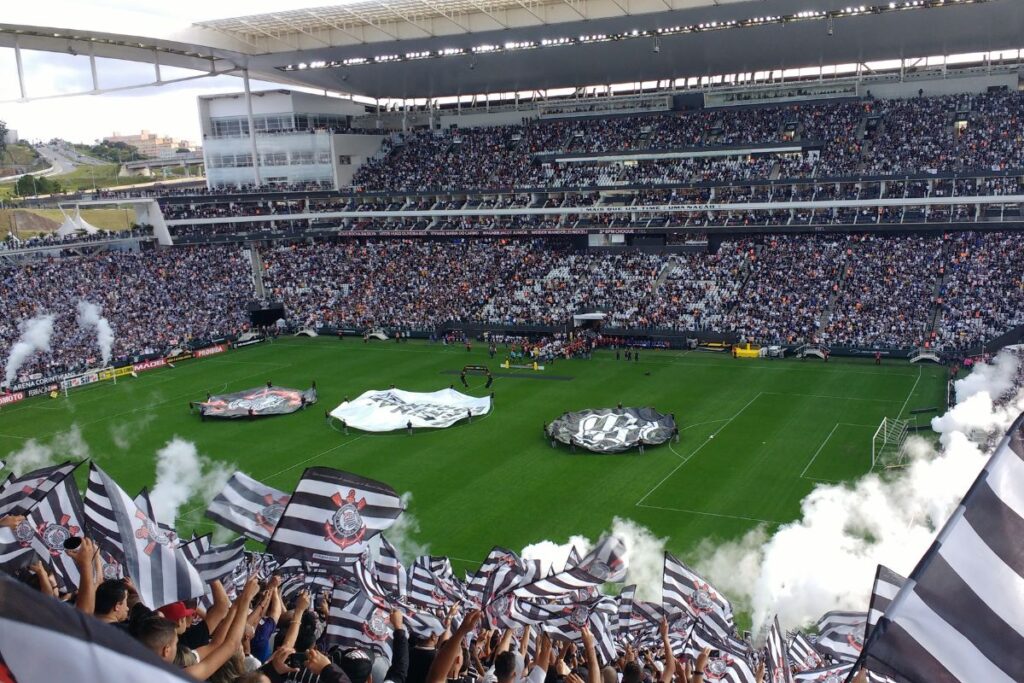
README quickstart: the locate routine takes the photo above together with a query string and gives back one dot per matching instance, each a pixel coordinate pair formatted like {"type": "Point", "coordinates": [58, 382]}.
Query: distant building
{"type": "Point", "coordinates": [11, 137]}
{"type": "Point", "coordinates": [300, 138]}
{"type": "Point", "coordinates": [151, 144]}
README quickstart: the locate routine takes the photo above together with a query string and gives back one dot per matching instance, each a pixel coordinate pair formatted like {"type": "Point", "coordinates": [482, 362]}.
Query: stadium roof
{"type": "Point", "coordinates": [436, 48]}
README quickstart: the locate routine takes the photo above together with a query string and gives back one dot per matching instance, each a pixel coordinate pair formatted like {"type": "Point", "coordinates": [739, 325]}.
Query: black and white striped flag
{"type": "Point", "coordinates": [684, 589]}
{"type": "Point", "coordinates": [146, 505]}
{"type": "Point", "coordinates": [887, 585]}
{"type": "Point", "coordinates": [433, 584]}
{"type": "Point", "coordinates": [45, 640]}
{"type": "Point", "coordinates": [802, 655]}
{"type": "Point", "coordinates": [161, 572]}
{"type": "Point", "coordinates": [219, 561]}
{"type": "Point", "coordinates": [195, 548]}
{"type": "Point", "coordinates": [332, 515]}
{"type": "Point", "coordinates": [841, 635]}
{"type": "Point", "coordinates": [390, 571]}
{"type": "Point", "coordinates": [607, 561]}
{"type": "Point", "coordinates": [354, 621]}
{"type": "Point", "coordinates": [776, 661]}
{"type": "Point", "coordinates": [54, 519]}
{"type": "Point", "coordinates": [20, 494]}
{"type": "Point", "coordinates": [960, 615]}
{"type": "Point", "coordinates": [13, 553]}
{"type": "Point", "coordinates": [248, 507]}
{"type": "Point", "coordinates": [566, 621]}
{"type": "Point", "coordinates": [575, 581]}
{"type": "Point", "coordinates": [732, 663]}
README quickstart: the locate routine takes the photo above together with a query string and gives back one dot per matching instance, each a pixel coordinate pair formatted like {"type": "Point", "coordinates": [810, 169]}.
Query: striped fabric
{"type": "Point", "coordinates": [732, 665]}
{"type": "Point", "coordinates": [53, 520]}
{"type": "Point", "coordinates": [219, 561]}
{"type": "Point", "coordinates": [960, 615]}
{"type": "Point", "coordinates": [146, 505]}
{"type": "Point", "coordinates": [607, 561]}
{"type": "Point", "coordinates": [248, 507]}
{"type": "Point", "coordinates": [777, 668]}
{"type": "Point", "coordinates": [390, 571]}
{"type": "Point", "coordinates": [353, 620]}
{"type": "Point", "coordinates": [195, 548]}
{"type": "Point", "coordinates": [685, 590]}
{"type": "Point", "coordinates": [19, 494]}
{"type": "Point", "coordinates": [161, 572]}
{"type": "Point", "coordinates": [887, 585]}
{"type": "Point", "coordinates": [802, 655]}
{"type": "Point", "coordinates": [332, 515]}
{"type": "Point", "coordinates": [432, 583]}
{"type": "Point", "coordinates": [841, 635]}
{"type": "Point", "coordinates": [570, 581]}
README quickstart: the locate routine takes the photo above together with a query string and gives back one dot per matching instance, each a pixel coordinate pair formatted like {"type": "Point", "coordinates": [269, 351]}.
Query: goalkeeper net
{"type": "Point", "coordinates": [888, 445]}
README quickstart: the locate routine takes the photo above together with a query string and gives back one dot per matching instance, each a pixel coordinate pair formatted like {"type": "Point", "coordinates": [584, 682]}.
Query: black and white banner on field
{"type": "Point", "coordinates": [612, 430]}
{"type": "Point", "coordinates": [392, 409]}
{"type": "Point", "coordinates": [257, 402]}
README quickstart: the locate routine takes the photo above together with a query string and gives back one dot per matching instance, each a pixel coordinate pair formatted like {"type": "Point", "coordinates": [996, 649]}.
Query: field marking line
{"type": "Point", "coordinates": [834, 398]}
{"type": "Point", "coordinates": [827, 481]}
{"type": "Point", "coordinates": [12, 436]}
{"type": "Point", "coordinates": [818, 452]}
{"type": "Point", "coordinates": [712, 514]}
{"type": "Point", "coordinates": [698, 424]}
{"type": "Point", "coordinates": [696, 450]}
{"type": "Point", "coordinates": [909, 395]}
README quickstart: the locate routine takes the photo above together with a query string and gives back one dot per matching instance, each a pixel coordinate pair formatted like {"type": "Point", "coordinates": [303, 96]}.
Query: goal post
{"type": "Point", "coordinates": [888, 442]}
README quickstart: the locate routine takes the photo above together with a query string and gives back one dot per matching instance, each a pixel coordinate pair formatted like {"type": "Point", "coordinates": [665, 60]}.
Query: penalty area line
{"type": "Point", "coordinates": [698, 448]}
{"type": "Point", "coordinates": [711, 514]}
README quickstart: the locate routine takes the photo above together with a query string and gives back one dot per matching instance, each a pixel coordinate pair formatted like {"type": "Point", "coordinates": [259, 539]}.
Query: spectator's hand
{"type": "Point", "coordinates": [397, 619]}
{"type": "Point", "coordinates": [316, 661]}
{"type": "Point", "coordinates": [84, 555]}
{"type": "Point", "coordinates": [759, 674]}
{"type": "Point", "coordinates": [302, 602]}
{"type": "Point", "coordinates": [702, 661]}
{"type": "Point", "coordinates": [279, 660]}
{"type": "Point", "coordinates": [11, 521]}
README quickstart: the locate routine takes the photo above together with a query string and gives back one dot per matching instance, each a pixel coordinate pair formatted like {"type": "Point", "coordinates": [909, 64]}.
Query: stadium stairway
{"type": "Point", "coordinates": [257, 272]}
{"type": "Point", "coordinates": [826, 312]}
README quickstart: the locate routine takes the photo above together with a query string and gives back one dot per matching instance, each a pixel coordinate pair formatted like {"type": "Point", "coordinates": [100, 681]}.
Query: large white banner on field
{"type": "Point", "coordinates": [384, 411]}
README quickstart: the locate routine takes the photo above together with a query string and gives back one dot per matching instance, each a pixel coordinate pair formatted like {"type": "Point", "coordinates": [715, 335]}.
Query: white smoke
{"type": "Point", "coordinates": [644, 555]}
{"type": "Point", "coordinates": [35, 454]}
{"type": "Point", "coordinates": [90, 317]}
{"type": "Point", "coordinates": [402, 534]}
{"type": "Point", "coordinates": [827, 559]}
{"type": "Point", "coordinates": [35, 336]}
{"type": "Point", "coordinates": [183, 474]}
{"type": "Point", "coordinates": [124, 434]}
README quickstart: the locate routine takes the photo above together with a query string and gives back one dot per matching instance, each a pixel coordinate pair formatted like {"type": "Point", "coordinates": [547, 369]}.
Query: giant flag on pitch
{"type": "Point", "coordinates": [331, 516]}
{"type": "Point", "coordinates": [960, 615]}
{"type": "Point", "coordinates": [161, 572]}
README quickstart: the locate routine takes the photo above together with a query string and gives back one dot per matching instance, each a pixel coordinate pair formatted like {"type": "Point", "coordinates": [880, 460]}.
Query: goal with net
{"type": "Point", "coordinates": [888, 445]}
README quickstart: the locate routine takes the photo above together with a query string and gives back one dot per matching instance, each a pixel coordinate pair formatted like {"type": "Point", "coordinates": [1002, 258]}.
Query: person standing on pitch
{"type": "Point", "coordinates": [408, 427]}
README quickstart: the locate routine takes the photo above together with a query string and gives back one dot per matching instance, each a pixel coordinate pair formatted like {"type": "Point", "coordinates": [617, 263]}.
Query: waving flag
{"type": "Point", "coordinates": [683, 589]}
{"type": "Point", "coordinates": [332, 515]}
{"type": "Point", "coordinates": [565, 622]}
{"type": "Point", "coordinates": [161, 572]}
{"type": "Point", "coordinates": [54, 519]}
{"type": "Point", "coordinates": [76, 646]}
{"type": "Point", "coordinates": [730, 665]}
{"type": "Point", "coordinates": [960, 615]}
{"type": "Point", "coordinates": [776, 662]}
{"type": "Point", "coordinates": [607, 561]}
{"type": "Point", "coordinates": [802, 655]}
{"type": "Point", "coordinates": [887, 585]}
{"type": "Point", "coordinates": [432, 583]}
{"type": "Point", "coordinates": [841, 635]}
{"type": "Point", "coordinates": [353, 620]}
{"type": "Point", "coordinates": [20, 494]}
{"type": "Point", "coordinates": [143, 502]}
{"type": "Point", "coordinates": [219, 561]}
{"type": "Point", "coordinates": [248, 507]}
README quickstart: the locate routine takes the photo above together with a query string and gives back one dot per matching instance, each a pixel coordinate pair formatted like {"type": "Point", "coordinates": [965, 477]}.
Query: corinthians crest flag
{"type": "Point", "coordinates": [257, 402]}
{"type": "Point", "coordinates": [249, 507]}
{"type": "Point", "coordinates": [683, 589]}
{"type": "Point", "coordinates": [612, 430]}
{"type": "Point", "coordinates": [331, 516]}
{"type": "Point", "coordinates": [151, 557]}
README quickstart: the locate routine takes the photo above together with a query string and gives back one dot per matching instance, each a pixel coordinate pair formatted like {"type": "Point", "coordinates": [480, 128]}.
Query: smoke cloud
{"type": "Point", "coordinates": [827, 559]}
{"type": "Point", "coordinates": [90, 317]}
{"type": "Point", "coordinates": [183, 474]}
{"type": "Point", "coordinates": [35, 337]}
{"type": "Point", "coordinates": [402, 534]}
{"type": "Point", "coordinates": [35, 454]}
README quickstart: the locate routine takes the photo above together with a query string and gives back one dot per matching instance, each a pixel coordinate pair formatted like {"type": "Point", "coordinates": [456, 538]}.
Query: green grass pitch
{"type": "Point", "coordinates": [757, 435]}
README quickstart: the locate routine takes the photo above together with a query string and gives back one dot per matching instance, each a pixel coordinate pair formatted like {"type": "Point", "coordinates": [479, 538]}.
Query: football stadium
{"type": "Point", "coordinates": [516, 341]}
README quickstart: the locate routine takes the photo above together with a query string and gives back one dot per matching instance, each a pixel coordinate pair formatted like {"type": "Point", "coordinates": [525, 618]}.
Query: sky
{"type": "Point", "coordinates": [166, 110]}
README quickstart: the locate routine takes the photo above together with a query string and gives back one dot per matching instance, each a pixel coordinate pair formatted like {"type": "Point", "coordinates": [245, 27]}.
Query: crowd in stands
{"type": "Point", "coordinates": [866, 137]}
{"type": "Point", "coordinates": [948, 291]}
{"type": "Point", "coordinates": [54, 240]}
{"type": "Point", "coordinates": [155, 301]}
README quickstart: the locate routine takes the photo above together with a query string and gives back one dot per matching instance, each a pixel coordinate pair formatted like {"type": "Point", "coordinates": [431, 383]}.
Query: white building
{"type": "Point", "coordinates": [299, 139]}
{"type": "Point", "coordinates": [11, 137]}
